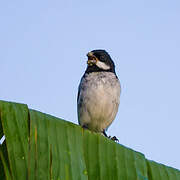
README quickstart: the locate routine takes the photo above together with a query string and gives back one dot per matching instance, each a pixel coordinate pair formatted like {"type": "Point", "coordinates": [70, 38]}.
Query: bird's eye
{"type": "Point", "coordinates": [102, 57]}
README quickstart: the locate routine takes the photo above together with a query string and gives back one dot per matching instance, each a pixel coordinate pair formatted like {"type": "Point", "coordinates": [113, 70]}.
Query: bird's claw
{"type": "Point", "coordinates": [114, 138]}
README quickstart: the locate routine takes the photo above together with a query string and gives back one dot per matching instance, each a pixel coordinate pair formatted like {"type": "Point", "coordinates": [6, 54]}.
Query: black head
{"type": "Point", "coordinates": [99, 60]}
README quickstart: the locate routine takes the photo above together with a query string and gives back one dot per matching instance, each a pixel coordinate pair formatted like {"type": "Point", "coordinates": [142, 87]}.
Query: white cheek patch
{"type": "Point", "coordinates": [102, 65]}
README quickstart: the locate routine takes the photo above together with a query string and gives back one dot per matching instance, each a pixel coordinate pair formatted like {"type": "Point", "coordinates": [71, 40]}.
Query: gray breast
{"type": "Point", "coordinates": [98, 100]}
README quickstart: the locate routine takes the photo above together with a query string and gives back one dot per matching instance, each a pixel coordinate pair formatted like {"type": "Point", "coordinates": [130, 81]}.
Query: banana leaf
{"type": "Point", "coordinates": [40, 146]}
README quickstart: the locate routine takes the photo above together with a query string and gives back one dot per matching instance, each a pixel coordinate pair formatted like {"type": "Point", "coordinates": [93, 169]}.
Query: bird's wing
{"type": "Point", "coordinates": [79, 88]}
{"type": "Point", "coordinates": [78, 93]}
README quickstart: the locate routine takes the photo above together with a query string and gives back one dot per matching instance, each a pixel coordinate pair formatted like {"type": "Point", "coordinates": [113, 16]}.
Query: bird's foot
{"type": "Point", "coordinates": [114, 138]}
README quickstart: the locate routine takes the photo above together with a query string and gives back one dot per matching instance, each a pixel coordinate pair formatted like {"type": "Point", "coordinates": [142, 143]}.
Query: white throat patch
{"type": "Point", "coordinates": [102, 65]}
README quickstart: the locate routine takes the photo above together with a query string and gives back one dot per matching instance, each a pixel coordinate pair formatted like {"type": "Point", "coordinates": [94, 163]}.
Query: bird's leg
{"type": "Point", "coordinates": [114, 138]}
{"type": "Point", "coordinates": [105, 134]}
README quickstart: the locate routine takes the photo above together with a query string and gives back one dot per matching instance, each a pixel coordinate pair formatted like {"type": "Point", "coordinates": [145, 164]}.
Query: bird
{"type": "Point", "coordinates": [98, 93]}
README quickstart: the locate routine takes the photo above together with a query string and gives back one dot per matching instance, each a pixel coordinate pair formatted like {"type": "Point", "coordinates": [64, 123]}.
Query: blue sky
{"type": "Point", "coordinates": [43, 56]}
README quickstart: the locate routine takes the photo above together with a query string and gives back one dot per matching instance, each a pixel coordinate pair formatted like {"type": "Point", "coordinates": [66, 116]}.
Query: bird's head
{"type": "Point", "coordinates": [99, 60]}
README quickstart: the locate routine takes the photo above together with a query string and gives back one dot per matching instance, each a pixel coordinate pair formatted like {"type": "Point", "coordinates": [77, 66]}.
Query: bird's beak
{"type": "Point", "coordinates": [91, 59]}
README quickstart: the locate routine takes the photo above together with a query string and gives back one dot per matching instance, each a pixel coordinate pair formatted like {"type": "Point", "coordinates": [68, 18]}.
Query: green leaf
{"type": "Point", "coordinates": [5, 173]}
{"type": "Point", "coordinates": [56, 148]}
{"type": "Point", "coordinates": [14, 119]}
{"type": "Point", "coordinates": [39, 146]}
{"type": "Point", "coordinates": [106, 159]}
{"type": "Point", "coordinates": [161, 172]}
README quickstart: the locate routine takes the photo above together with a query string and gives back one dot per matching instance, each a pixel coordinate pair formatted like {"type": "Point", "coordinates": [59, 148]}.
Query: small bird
{"type": "Point", "coordinates": [98, 93]}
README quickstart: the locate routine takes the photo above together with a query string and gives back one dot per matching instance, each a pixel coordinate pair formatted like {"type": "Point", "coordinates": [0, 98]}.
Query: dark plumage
{"type": "Point", "coordinates": [103, 56]}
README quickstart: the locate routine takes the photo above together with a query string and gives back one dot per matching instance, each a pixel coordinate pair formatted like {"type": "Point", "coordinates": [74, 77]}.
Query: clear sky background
{"type": "Point", "coordinates": [43, 47]}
